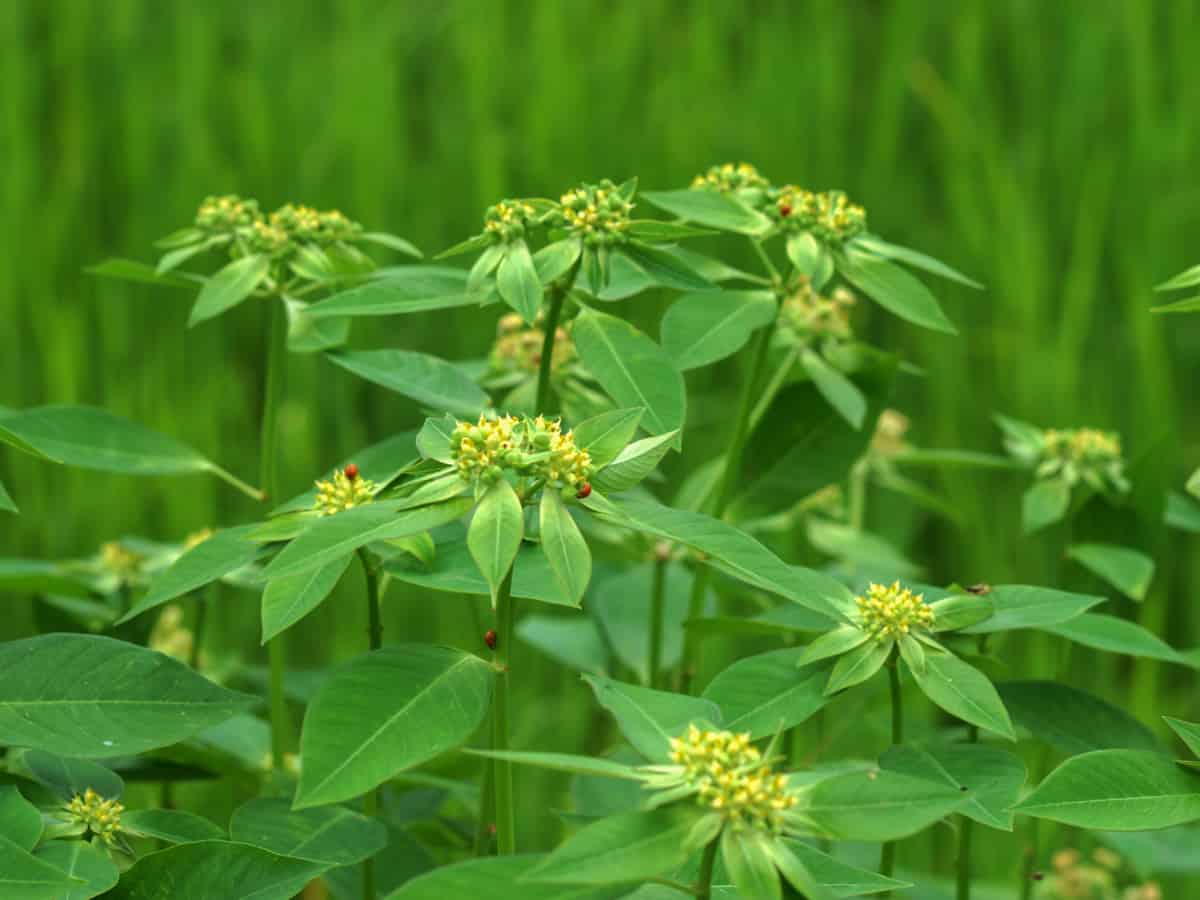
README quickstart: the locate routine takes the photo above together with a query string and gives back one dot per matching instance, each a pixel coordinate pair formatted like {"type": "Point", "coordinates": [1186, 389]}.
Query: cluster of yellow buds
{"type": "Point", "coordinates": [811, 316]}
{"type": "Point", "coordinates": [534, 447]}
{"type": "Point", "coordinates": [304, 223]}
{"type": "Point", "coordinates": [1083, 454]}
{"type": "Point", "coordinates": [345, 490]}
{"type": "Point", "coordinates": [484, 449]}
{"type": "Point", "coordinates": [888, 439]}
{"type": "Point", "coordinates": [1076, 877]}
{"type": "Point", "coordinates": [227, 213]}
{"type": "Point", "coordinates": [828, 214]}
{"type": "Point", "coordinates": [568, 465]}
{"type": "Point", "coordinates": [731, 777]}
{"type": "Point", "coordinates": [119, 561]}
{"type": "Point", "coordinates": [101, 817]}
{"type": "Point", "coordinates": [170, 636]}
{"type": "Point", "coordinates": [518, 347]}
{"type": "Point", "coordinates": [266, 238]}
{"type": "Point", "coordinates": [890, 612]}
{"type": "Point", "coordinates": [729, 178]}
{"type": "Point", "coordinates": [508, 219]}
{"type": "Point", "coordinates": [598, 212]}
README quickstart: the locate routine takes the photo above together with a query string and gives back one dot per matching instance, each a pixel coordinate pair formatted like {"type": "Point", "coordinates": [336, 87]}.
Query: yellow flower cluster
{"type": "Point", "coordinates": [101, 817]}
{"type": "Point", "coordinates": [731, 777]}
{"type": "Point", "coordinates": [596, 211]}
{"type": "Point", "coordinates": [226, 213]}
{"type": "Point", "coordinates": [828, 214]}
{"type": "Point", "coordinates": [568, 465]}
{"type": "Point", "coordinates": [120, 562]}
{"type": "Point", "coordinates": [528, 447]}
{"type": "Point", "coordinates": [808, 314]}
{"type": "Point", "coordinates": [170, 636]}
{"type": "Point", "coordinates": [888, 613]}
{"type": "Point", "coordinates": [1083, 454]}
{"type": "Point", "coordinates": [508, 219]}
{"type": "Point", "coordinates": [307, 224]}
{"type": "Point", "coordinates": [518, 347]}
{"type": "Point", "coordinates": [729, 177]}
{"type": "Point", "coordinates": [342, 492]}
{"type": "Point", "coordinates": [231, 214]}
{"type": "Point", "coordinates": [1099, 878]}
{"type": "Point", "coordinates": [482, 450]}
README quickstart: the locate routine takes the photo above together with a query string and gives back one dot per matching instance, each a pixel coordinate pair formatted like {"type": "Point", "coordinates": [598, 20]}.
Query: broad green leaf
{"type": "Point", "coordinates": [992, 776]}
{"type": "Point", "coordinates": [606, 435]}
{"type": "Point", "coordinates": [24, 876]}
{"type": "Point", "coordinates": [658, 231]}
{"type": "Point", "coordinates": [664, 269]}
{"type": "Point", "coordinates": [131, 270]}
{"type": "Point", "coordinates": [857, 665]}
{"type": "Point", "coordinates": [770, 692]}
{"type": "Point", "coordinates": [1073, 721]}
{"type": "Point", "coordinates": [6, 500]}
{"type": "Point", "coordinates": [1117, 790]}
{"type": "Point", "coordinates": [1103, 632]}
{"type": "Point", "coordinates": [1187, 278]}
{"type": "Point", "coordinates": [842, 393]}
{"type": "Point", "coordinates": [90, 438]}
{"type": "Point", "coordinates": [627, 625]}
{"type": "Point", "coordinates": [89, 696]}
{"type": "Point", "coordinates": [174, 826]}
{"type": "Point", "coordinates": [20, 820]}
{"type": "Point", "coordinates": [179, 255]}
{"type": "Point", "coordinates": [410, 289]}
{"type": "Point", "coordinates": [625, 277]}
{"type": "Point", "coordinates": [1126, 569]}
{"type": "Point", "coordinates": [330, 835]}
{"type": "Point", "coordinates": [385, 712]}
{"type": "Point", "coordinates": [795, 872]}
{"type": "Point", "coordinates": [810, 257]}
{"type": "Point", "coordinates": [564, 762]}
{"type": "Point", "coordinates": [715, 270]}
{"type": "Point", "coordinates": [1183, 512]}
{"type": "Point", "coordinates": [704, 327]}
{"type": "Point", "coordinates": [238, 746]}
{"type": "Point", "coordinates": [1026, 606]}
{"type": "Point", "coordinates": [91, 866]}
{"type": "Point", "coordinates": [878, 805]}
{"type": "Point", "coordinates": [963, 691]}
{"type": "Point", "coordinates": [1044, 503]}
{"type": "Point", "coordinates": [564, 547]}
{"type": "Point", "coordinates": [430, 381]}
{"type": "Point", "coordinates": [1189, 733]}
{"type": "Point", "coordinates": [835, 876]}
{"type": "Point", "coordinates": [333, 537]}
{"type": "Point", "coordinates": [649, 718]}
{"type": "Point", "coordinates": [914, 258]}
{"type": "Point", "coordinates": [405, 858]}
{"type": "Point", "coordinates": [961, 611]}
{"type": "Point", "coordinates": [575, 642]}
{"type": "Point", "coordinates": [433, 440]}
{"type": "Point", "coordinates": [625, 848]}
{"type": "Point", "coordinates": [206, 870]}
{"type": "Point", "coordinates": [498, 877]}
{"type": "Point", "coordinates": [518, 283]}
{"type": "Point", "coordinates": [286, 601]}
{"type": "Point", "coordinates": [392, 242]}
{"type": "Point", "coordinates": [65, 775]}
{"type": "Point", "coordinates": [893, 289]}
{"type": "Point", "coordinates": [749, 864]}
{"type": "Point", "coordinates": [495, 534]}
{"type": "Point", "coordinates": [555, 260]}
{"type": "Point", "coordinates": [712, 209]}
{"type": "Point", "coordinates": [634, 463]}
{"type": "Point", "coordinates": [229, 287]}
{"type": "Point", "coordinates": [632, 369]}
{"type": "Point", "coordinates": [839, 640]}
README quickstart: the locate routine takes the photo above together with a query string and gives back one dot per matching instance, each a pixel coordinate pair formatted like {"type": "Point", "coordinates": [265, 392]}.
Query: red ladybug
{"type": "Point", "coordinates": [585, 491]}
{"type": "Point", "coordinates": [785, 210]}
{"type": "Point", "coordinates": [490, 639]}
{"type": "Point", "coordinates": [352, 471]}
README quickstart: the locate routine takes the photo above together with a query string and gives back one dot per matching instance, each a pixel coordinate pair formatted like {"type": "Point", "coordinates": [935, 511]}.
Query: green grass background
{"type": "Point", "coordinates": [1049, 149]}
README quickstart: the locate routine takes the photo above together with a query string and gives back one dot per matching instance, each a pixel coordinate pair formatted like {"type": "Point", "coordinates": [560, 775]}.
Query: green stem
{"type": "Point", "coordinates": [657, 602]}
{"type": "Point", "coordinates": [487, 812]}
{"type": "Point", "coordinates": [964, 841]}
{"type": "Point", "coordinates": [558, 293]}
{"type": "Point", "coordinates": [198, 630]}
{"type": "Point", "coordinates": [272, 389]}
{"type": "Point", "coordinates": [707, 863]}
{"type": "Point", "coordinates": [506, 841]}
{"type": "Point", "coordinates": [857, 501]}
{"type": "Point", "coordinates": [887, 862]}
{"type": "Point", "coordinates": [370, 569]}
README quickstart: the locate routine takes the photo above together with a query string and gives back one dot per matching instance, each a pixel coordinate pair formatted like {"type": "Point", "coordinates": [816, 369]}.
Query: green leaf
{"type": "Point", "coordinates": [769, 692]}
{"type": "Point", "coordinates": [94, 869]}
{"type": "Point", "coordinates": [665, 269]}
{"type": "Point", "coordinates": [288, 600]}
{"type": "Point", "coordinates": [915, 259]}
{"type": "Point", "coordinates": [406, 290]}
{"type": "Point", "coordinates": [1188, 732]}
{"type": "Point", "coordinates": [565, 549]}
{"type": "Point", "coordinates": [649, 718]}
{"type": "Point", "coordinates": [174, 826]}
{"type": "Point", "coordinates": [206, 870]}
{"type": "Point", "coordinates": [1185, 279]}
{"type": "Point", "coordinates": [955, 459]}
{"type": "Point", "coordinates": [24, 876]}
{"type": "Point", "coordinates": [606, 435]}
{"type": "Point", "coordinates": [1073, 721]}
{"type": "Point", "coordinates": [879, 805]}
{"type": "Point", "coordinates": [392, 242]}
{"type": "Point", "coordinates": [633, 464]}
{"type": "Point", "coordinates": [385, 712]}
{"type": "Point", "coordinates": [517, 281]}
{"type": "Point", "coordinates": [797, 872]}
{"type": "Point", "coordinates": [94, 439]}
{"type": "Point", "coordinates": [620, 849]}
{"type": "Point", "coordinates": [707, 326]}
{"type": "Point", "coordinates": [857, 665]}
{"type": "Point", "coordinates": [842, 393]}
{"type": "Point", "coordinates": [6, 500]}
{"type": "Point", "coordinates": [749, 864]}
{"type": "Point", "coordinates": [1126, 569]}
{"type": "Point", "coordinates": [839, 640]}
{"type": "Point", "coordinates": [64, 775]}
{"type": "Point", "coordinates": [1044, 503]}
{"type": "Point", "coordinates": [993, 777]}
{"type": "Point", "coordinates": [1025, 606]}
{"type": "Point", "coordinates": [565, 762]}
{"type": "Point", "coordinates": [179, 255]}
{"type": "Point", "coordinates": [1117, 790]}
{"type": "Point", "coordinates": [229, 287]}
{"type": "Point", "coordinates": [714, 270]}
{"type": "Point", "coordinates": [810, 257]}
{"type": "Point", "coordinates": [331, 835]}
{"type": "Point", "coordinates": [89, 696]}
{"type": "Point", "coordinates": [1115, 635]}
{"type": "Point", "coordinates": [20, 820]}
{"type": "Point", "coordinates": [575, 643]}
{"type": "Point", "coordinates": [430, 381]}
{"type": "Point", "coordinates": [961, 611]}
{"type": "Point", "coordinates": [309, 335]}
{"type": "Point", "coordinates": [495, 534]}
{"type": "Point", "coordinates": [498, 877]}
{"type": "Point", "coordinates": [1183, 512]}
{"type": "Point", "coordinates": [130, 270]}
{"type": "Point", "coordinates": [555, 260]}
{"type": "Point", "coordinates": [627, 625]}
{"type": "Point", "coordinates": [470, 245]}
{"type": "Point", "coordinates": [657, 231]}
{"type": "Point", "coordinates": [712, 209]}
{"type": "Point", "coordinates": [893, 289]}
{"type": "Point", "coordinates": [332, 537]}
{"type": "Point", "coordinates": [1191, 304]}
{"type": "Point", "coordinates": [963, 691]}
{"type": "Point", "coordinates": [632, 369]}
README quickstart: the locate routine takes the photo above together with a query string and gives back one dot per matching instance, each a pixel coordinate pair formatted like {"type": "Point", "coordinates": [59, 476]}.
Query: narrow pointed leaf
{"type": "Point", "coordinates": [833, 643]}
{"type": "Point", "coordinates": [1026, 606]}
{"type": "Point", "coordinates": [604, 436]}
{"type": "Point", "coordinates": [857, 665]}
{"type": "Point", "coordinates": [409, 289]}
{"type": "Point", "coordinates": [6, 500]}
{"type": "Point", "coordinates": [964, 691]}
{"type": "Point", "coordinates": [1189, 733]}
{"type": "Point", "coordinates": [665, 269]}
{"type": "Point", "coordinates": [842, 393]}
{"type": "Point", "coordinates": [229, 287]}
{"type": "Point", "coordinates": [565, 549]}
{"type": "Point", "coordinates": [174, 826]}
{"type": "Point", "coordinates": [430, 381]}
{"type": "Point", "coordinates": [140, 273]}
{"type": "Point", "coordinates": [914, 258]}
{"type": "Point", "coordinates": [712, 209]}
{"type": "Point", "coordinates": [769, 692]}
{"type": "Point", "coordinates": [634, 463]}
{"type": "Point", "coordinates": [518, 283]}
{"type": "Point", "coordinates": [330, 835]}
{"type": "Point", "coordinates": [1073, 721]}
{"type": "Point", "coordinates": [749, 864]}
{"type": "Point", "coordinates": [495, 533]}
{"type": "Point", "coordinates": [894, 289]}
{"type": "Point", "coordinates": [879, 805]}
{"type": "Point", "coordinates": [289, 599]}
{"type": "Point", "coordinates": [1129, 571]}
{"type": "Point", "coordinates": [555, 260]}
{"type": "Point", "coordinates": [1187, 278]}
{"type": "Point", "coordinates": [563, 762]}
{"type": "Point", "coordinates": [704, 327]}
{"type": "Point", "coordinates": [649, 718]}
{"type": "Point", "coordinates": [392, 242]}
{"type": "Point", "coordinates": [1045, 503]}
{"type": "Point", "coordinates": [1103, 632]}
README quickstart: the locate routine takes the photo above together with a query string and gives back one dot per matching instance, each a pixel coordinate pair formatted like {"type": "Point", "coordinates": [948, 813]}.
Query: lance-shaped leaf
{"type": "Point", "coordinates": [649, 718]}
{"type": "Point", "coordinates": [1103, 632]}
{"type": "Point", "coordinates": [565, 762]}
{"type": "Point", "coordinates": [517, 281]}
{"type": "Point", "coordinates": [842, 393]}
{"type": "Point", "coordinates": [90, 438]}
{"type": "Point", "coordinates": [65, 775]}
{"type": "Point", "coordinates": [555, 260]}
{"type": "Point", "coordinates": [662, 268]}
{"type": "Point", "coordinates": [1073, 721]}
{"type": "Point", "coordinates": [633, 369]}
{"type": "Point", "coordinates": [140, 273]}
{"type": "Point", "coordinates": [894, 289]}
{"type": "Point", "coordinates": [607, 434]}
{"type": "Point", "coordinates": [208, 869]}
{"type": "Point", "coordinates": [430, 381]}
{"type": "Point", "coordinates": [229, 287]}
{"type": "Point", "coordinates": [6, 500]}
{"type": "Point", "coordinates": [20, 820]}
{"type": "Point", "coordinates": [963, 691]}
{"type": "Point", "coordinates": [1126, 569]}
{"type": "Point", "coordinates": [710, 208]}
{"type": "Point", "coordinates": [1185, 279]}
{"type": "Point", "coordinates": [704, 327]}
{"type": "Point", "coordinates": [405, 290]}
{"type": "Point", "coordinates": [89, 696]}
{"type": "Point", "coordinates": [961, 611]}
{"type": "Point", "coordinates": [173, 826]}
{"type": "Point", "coordinates": [564, 547]}
{"type": "Point", "coordinates": [1189, 733]}
{"type": "Point", "coordinates": [1044, 503]}
{"type": "Point", "coordinates": [392, 242]}
{"type": "Point", "coordinates": [768, 693]}
{"type": "Point", "coordinates": [24, 876]}
{"type": "Point", "coordinates": [330, 835]}
{"type": "Point", "coordinates": [385, 712]}
{"type": "Point", "coordinates": [495, 533]}
{"type": "Point", "coordinates": [93, 870]}
{"type": "Point", "coordinates": [1117, 790]}
{"type": "Point", "coordinates": [914, 258]}
{"type": "Point", "coordinates": [994, 777]}
{"type": "Point", "coordinates": [634, 463]}
{"type": "Point", "coordinates": [857, 665]}
{"type": "Point", "coordinates": [1027, 606]}
{"type": "Point", "coordinates": [289, 599]}
{"type": "Point", "coordinates": [878, 805]}
{"type": "Point", "coordinates": [496, 876]}
{"type": "Point", "coordinates": [750, 864]}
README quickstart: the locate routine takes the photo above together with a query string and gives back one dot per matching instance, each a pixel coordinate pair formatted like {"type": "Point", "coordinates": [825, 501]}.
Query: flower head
{"type": "Point", "coordinates": [343, 492]}
{"type": "Point", "coordinates": [829, 215]}
{"type": "Point", "coordinates": [891, 612]}
{"type": "Point", "coordinates": [809, 315]}
{"type": "Point", "coordinates": [226, 213]}
{"type": "Point", "coordinates": [100, 817]}
{"type": "Point", "coordinates": [120, 562]}
{"type": "Point", "coordinates": [529, 447]}
{"type": "Point", "coordinates": [518, 347]}
{"type": "Point", "coordinates": [509, 219]}
{"type": "Point", "coordinates": [730, 178]}
{"type": "Point", "coordinates": [1083, 454]}
{"type": "Point", "coordinates": [597, 212]}
{"type": "Point", "coordinates": [1101, 877]}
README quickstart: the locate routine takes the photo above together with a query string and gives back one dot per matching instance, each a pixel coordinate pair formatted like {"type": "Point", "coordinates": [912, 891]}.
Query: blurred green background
{"type": "Point", "coordinates": [1048, 149]}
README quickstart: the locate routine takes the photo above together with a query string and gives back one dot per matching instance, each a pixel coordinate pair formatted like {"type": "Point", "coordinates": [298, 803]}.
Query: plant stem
{"type": "Point", "coordinates": [487, 812]}
{"type": "Point", "coordinates": [506, 842]}
{"type": "Point", "coordinates": [370, 569]}
{"type": "Point", "coordinates": [887, 861]}
{"type": "Point", "coordinates": [657, 601]}
{"type": "Point", "coordinates": [198, 629]}
{"type": "Point", "coordinates": [964, 841]}
{"type": "Point", "coordinates": [558, 293]}
{"type": "Point", "coordinates": [269, 443]}
{"type": "Point", "coordinates": [707, 863]}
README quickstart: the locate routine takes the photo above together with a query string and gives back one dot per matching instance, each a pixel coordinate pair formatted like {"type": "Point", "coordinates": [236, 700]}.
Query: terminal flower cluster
{"type": "Point", "coordinates": [1083, 454]}
{"type": "Point", "coordinates": [599, 213]}
{"type": "Point", "coordinates": [508, 220]}
{"type": "Point", "coordinates": [100, 817]}
{"type": "Point", "coordinates": [809, 315]}
{"type": "Point", "coordinates": [240, 218]}
{"type": "Point", "coordinates": [731, 178]}
{"type": "Point", "coordinates": [829, 215]}
{"type": "Point", "coordinates": [345, 490]}
{"type": "Point", "coordinates": [528, 447]}
{"type": "Point", "coordinates": [891, 612]}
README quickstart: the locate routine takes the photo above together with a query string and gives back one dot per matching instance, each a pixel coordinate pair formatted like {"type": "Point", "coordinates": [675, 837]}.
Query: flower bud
{"type": "Point", "coordinates": [489, 638]}
{"type": "Point", "coordinates": [352, 471]}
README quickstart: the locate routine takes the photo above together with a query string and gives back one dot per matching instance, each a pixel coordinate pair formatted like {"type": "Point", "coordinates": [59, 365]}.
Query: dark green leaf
{"type": "Point", "coordinates": [20, 820]}
{"type": "Point", "coordinates": [430, 381]}
{"type": "Point", "coordinates": [963, 691]}
{"type": "Point", "coordinates": [1025, 606]}
{"type": "Point", "coordinates": [288, 600]}
{"type": "Point", "coordinates": [712, 209]}
{"type": "Point", "coordinates": [65, 775]}
{"type": "Point", "coordinates": [842, 393]}
{"type": "Point", "coordinates": [331, 835]}
{"type": "Point", "coordinates": [94, 869]}
{"type": "Point", "coordinates": [707, 326]}
{"type": "Point", "coordinates": [894, 289]}
{"type": "Point", "coordinates": [130, 270]}
{"type": "Point", "coordinates": [606, 435]}
{"type": "Point", "coordinates": [229, 287]}
{"type": "Point", "coordinates": [633, 464]}
{"type": "Point", "coordinates": [1126, 569]}
{"type": "Point", "coordinates": [1071, 720]}
{"type": "Point", "coordinates": [992, 776]}
{"type": "Point", "coordinates": [649, 718]}
{"type": "Point", "coordinates": [770, 692]}
{"type": "Point", "coordinates": [209, 869]}
{"type": "Point", "coordinates": [665, 269]}
{"type": "Point", "coordinates": [914, 258]}
{"type": "Point", "coordinates": [174, 826]}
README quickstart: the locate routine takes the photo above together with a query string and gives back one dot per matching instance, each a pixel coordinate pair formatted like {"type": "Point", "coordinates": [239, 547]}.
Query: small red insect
{"type": "Point", "coordinates": [352, 471]}
{"type": "Point", "coordinates": [490, 639]}
{"type": "Point", "coordinates": [785, 210]}
{"type": "Point", "coordinates": [584, 491]}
